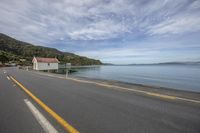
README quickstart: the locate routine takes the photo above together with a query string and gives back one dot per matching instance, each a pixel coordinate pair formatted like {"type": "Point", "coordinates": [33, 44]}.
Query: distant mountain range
{"type": "Point", "coordinates": [164, 63]}
{"type": "Point", "coordinates": [22, 52]}
{"type": "Point", "coordinates": [169, 63]}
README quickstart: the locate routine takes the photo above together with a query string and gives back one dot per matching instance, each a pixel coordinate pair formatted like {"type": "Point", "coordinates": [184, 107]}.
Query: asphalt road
{"type": "Point", "coordinates": [90, 108]}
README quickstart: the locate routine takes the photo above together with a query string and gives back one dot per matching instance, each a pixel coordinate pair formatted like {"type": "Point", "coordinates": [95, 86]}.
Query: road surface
{"type": "Point", "coordinates": [89, 108]}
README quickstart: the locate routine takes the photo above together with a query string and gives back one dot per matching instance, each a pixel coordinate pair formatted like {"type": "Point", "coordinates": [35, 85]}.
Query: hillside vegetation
{"type": "Point", "coordinates": [22, 53]}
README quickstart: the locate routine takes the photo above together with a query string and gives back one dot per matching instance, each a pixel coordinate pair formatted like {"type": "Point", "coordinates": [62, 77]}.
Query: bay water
{"type": "Point", "coordinates": [181, 77]}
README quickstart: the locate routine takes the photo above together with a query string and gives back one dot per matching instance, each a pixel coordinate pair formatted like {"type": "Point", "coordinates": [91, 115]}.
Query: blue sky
{"type": "Point", "coordinates": [114, 31]}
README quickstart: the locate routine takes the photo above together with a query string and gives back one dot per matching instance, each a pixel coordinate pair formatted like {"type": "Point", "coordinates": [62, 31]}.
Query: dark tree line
{"type": "Point", "coordinates": [16, 50]}
{"type": "Point", "coordinates": [3, 58]}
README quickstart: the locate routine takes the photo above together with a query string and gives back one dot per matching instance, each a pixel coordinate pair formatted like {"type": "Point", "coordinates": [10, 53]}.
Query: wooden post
{"type": "Point", "coordinates": [66, 73]}
{"type": "Point", "coordinates": [67, 66]}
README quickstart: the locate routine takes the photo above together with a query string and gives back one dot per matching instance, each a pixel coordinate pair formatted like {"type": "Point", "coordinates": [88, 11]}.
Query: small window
{"type": "Point", "coordinates": [48, 64]}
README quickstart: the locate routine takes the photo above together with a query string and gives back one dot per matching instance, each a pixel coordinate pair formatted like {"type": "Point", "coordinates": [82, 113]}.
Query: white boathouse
{"type": "Point", "coordinates": [45, 63]}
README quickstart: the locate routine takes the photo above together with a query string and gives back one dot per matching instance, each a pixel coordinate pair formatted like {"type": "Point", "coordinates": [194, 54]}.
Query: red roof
{"type": "Point", "coordinates": [46, 60]}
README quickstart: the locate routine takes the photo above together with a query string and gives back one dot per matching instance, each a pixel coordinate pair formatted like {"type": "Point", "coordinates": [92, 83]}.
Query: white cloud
{"type": "Point", "coordinates": [96, 19]}
{"type": "Point", "coordinates": [105, 29]}
{"type": "Point", "coordinates": [92, 24]}
{"type": "Point", "coordinates": [177, 25]}
{"type": "Point", "coordinates": [146, 52]}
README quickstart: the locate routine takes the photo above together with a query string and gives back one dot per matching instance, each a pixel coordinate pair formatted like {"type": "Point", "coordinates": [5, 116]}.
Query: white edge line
{"type": "Point", "coordinates": [8, 78]}
{"type": "Point", "coordinates": [189, 100]}
{"type": "Point", "coordinates": [119, 87]}
{"type": "Point", "coordinates": [46, 125]}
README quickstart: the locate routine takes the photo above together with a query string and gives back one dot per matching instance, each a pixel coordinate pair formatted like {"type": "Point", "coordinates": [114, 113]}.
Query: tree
{"type": "Point", "coordinates": [3, 58]}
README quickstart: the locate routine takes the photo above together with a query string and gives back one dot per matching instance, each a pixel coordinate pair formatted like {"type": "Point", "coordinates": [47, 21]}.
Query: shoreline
{"type": "Point", "coordinates": [139, 87]}
{"type": "Point", "coordinates": [149, 88]}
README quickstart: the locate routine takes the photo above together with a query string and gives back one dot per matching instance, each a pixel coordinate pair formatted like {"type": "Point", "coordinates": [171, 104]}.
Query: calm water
{"type": "Point", "coordinates": [183, 77]}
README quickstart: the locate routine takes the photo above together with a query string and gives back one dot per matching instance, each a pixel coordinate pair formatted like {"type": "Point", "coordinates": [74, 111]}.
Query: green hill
{"type": "Point", "coordinates": [16, 51]}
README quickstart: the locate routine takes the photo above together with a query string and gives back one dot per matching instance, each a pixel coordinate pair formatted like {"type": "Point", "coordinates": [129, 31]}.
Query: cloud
{"type": "Point", "coordinates": [179, 24]}
{"type": "Point", "coordinates": [81, 25]}
{"type": "Point", "coordinates": [147, 52]}
{"type": "Point", "coordinates": [102, 30]}
{"type": "Point", "coordinates": [96, 19]}
{"type": "Point", "coordinates": [144, 55]}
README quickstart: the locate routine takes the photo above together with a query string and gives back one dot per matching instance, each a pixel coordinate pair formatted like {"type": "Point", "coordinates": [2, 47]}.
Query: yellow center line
{"type": "Point", "coordinates": [58, 118]}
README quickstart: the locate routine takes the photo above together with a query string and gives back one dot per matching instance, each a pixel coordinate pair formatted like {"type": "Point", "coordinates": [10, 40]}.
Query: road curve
{"type": "Point", "coordinates": [92, 108]}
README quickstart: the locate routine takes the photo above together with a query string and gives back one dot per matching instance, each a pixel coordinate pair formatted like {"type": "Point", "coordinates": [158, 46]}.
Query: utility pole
{"type": "Point", "coordinates": [68, 66]}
